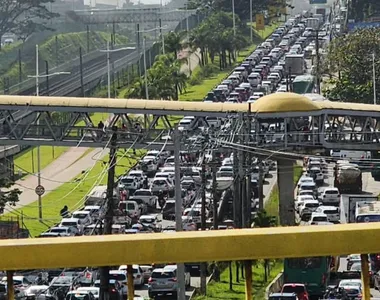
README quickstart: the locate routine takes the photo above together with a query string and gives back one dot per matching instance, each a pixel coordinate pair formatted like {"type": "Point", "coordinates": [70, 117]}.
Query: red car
{"type": "Point", "coordinates": [298, 288]}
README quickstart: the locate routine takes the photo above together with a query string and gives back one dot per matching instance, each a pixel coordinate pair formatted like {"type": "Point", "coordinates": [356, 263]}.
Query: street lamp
{"type": "Point", "coordinates": [162, 35]}
{"type": "Point", "coordinates": [108, 51]}
{"type": "Point", "coordinates": [374, 78]}
{"type": "Point", "coordinates": [233, 17]}
{"type": "Point", "coordinates": [37, 77]}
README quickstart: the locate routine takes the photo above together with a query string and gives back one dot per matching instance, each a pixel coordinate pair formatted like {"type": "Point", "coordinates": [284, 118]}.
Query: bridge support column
{"type": "Point", "coordinates": [286, 191]}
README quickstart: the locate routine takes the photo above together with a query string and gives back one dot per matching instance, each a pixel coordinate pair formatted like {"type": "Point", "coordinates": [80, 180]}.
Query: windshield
{"type": "Point", "coordinates": [368, 218]}
{"type": "Point", "coordinates": [331, 192]}
{"type": "Point", "coordinates": [79, 296]}
{"type": "Point", "coordinates": [58, 230]}
{"type": "Point", "coordinates": [293, 289]}
{"type": "Point", "coordinates": [163, 275]}
{"type": "Point", "coordinates": [69, 224]}
{"type": "Point", "coordinates": [311, 205]}
{"type": "Point", "coordinates": [350, 283]}
{"type": "Point", "coordinates": [142, 193]}
{"type": "Point", "coordinates": [118, 277]}
{"type": "Point", "coordinates": [130, 206]}
{"type": "Point", "coordinates": [169, 205]}
{"type": "Point", "coordinates": [126, 180]}
{"type": "Point", "coordinates": [331, 211]}
{"type": "Point", "coordinates": [80, 215]}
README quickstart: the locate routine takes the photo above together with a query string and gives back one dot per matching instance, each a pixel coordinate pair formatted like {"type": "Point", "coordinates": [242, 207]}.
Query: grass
{"type": "Point", "coordinates": [221, 290]}
{"type": "Point", "coordinates": [199, 91]}
{"type": "Point", "coordinates": [71, 194]}
{"type": "Point", "coordinates": [272, 206]}
{"type": "Point", "coordinates": [26, 161]}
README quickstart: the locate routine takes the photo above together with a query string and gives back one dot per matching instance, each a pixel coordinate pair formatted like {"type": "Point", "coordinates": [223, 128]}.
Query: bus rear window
{"type": "Point", "coordinates": [293, 289]}
{"type": "Point", "coordinates": [305, 263]}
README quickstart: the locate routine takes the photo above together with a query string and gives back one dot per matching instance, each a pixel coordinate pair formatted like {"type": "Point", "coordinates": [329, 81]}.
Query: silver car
{"type": "Point", "coordinates": [162, 282]}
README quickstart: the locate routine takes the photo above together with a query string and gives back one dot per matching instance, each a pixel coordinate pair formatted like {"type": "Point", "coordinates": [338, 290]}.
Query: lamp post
{"type": "Point", "coordinates": [37, 77]}
{"type": "Point", "coordinates": [162, 35]}
{"type": "Point", "coordinates": [233, 17]}
{"type": "Point", "coordinates": [108, 51]}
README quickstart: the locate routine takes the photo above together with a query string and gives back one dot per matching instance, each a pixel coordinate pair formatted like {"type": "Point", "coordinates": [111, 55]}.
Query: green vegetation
{"type": "Point", "coordinates": [71, 194]}
{"type": "Point", "coordinates": [221, 290]}
{"type": "Point", "coordinates": [349, 63]}
{"type": "Point", "coordinates": [272, 205]}
{"type": "Point", "coordinates": [205, 78]}
{"type": "Point", "coordinates": [26, 161]}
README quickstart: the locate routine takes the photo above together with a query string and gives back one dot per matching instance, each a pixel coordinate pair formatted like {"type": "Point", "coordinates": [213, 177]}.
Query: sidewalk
{"type": "Point", "coordinates": [64, 169]}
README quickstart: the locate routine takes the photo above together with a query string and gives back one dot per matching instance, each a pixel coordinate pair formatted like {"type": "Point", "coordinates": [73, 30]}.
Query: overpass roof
{"type": "Point", "coordinates": [278, 104]}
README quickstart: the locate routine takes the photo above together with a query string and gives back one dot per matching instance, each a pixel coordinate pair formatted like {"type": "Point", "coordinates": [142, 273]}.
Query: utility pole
{"type": "Point", "coordinates": [181, 293]}
{"type": "Point", "coordinates": [88, 38]}
{"type": "Point", "coordinates": [81, 71]}
{"type": "Point", "coordinates": [317, 62]}
{"type": "Point", "coordinates": [215, 195]}
{"type": "Point", "coordinates": [249, 163]}
{"type": "Point", "coordinates": [203, 221]}
{"type": "Point", "coordinates": [162, 37]}
{"type": "Point", "coordinates": [47, 77]}
{"type": "Point", "coordinates": [236, 184]}
{"type": "Point", "coordinates": [260, 185]}
{"type": "Point", "coordinates": [104, 271]}
{"type": "Point", "coordinates": [19, 66]}
{"type": "Point", "coordinates": [243, 176]}
{"type": "Point", "coordinates": [138, 48]}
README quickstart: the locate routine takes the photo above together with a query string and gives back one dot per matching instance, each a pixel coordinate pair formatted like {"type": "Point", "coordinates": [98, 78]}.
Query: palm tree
{"type": "Point", "coordinates": [173, 43]}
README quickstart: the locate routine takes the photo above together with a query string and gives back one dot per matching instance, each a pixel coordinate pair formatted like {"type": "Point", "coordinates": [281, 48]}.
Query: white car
{"type": "Point", "coordinates": [149, 164]}
{"type": "Point", "coordinates": [330, 196]}
{"type": "Point", "coordinates": [139, 175]}
{"type": "Point", "coordinates": [92, 289]}
{"type": "Point", "coordinates": [304, 179]}
{"type": "Point", "coordinates": [84, 217]}
{"type": "Point", "coordinates": [65, 231]}
{"type": "Point", "coordinates": [300, 199]}
{"type": "Point", "coordinates": [37, 292]}
{"type": "Point", "coordinates": [162, 184]}
{"type": "Point", "coordinates": [147, 196]}
{"type": "Point", "coordinates": [332, 213]}
{"type": "Point", "coordinates": [138, 277]}
{"type": "Point", "coordinates": [308, 206]}
{"type": "Point", "coordinates": [72, 222]}
{"type": "Point", "coordinates": [317, 217]}
{"type": "Point", "coordinates": [129, 183]}
{"type": "Point", "coordinates": [187, 273]}
{"type": "Point", "coordinates": [350, 282]}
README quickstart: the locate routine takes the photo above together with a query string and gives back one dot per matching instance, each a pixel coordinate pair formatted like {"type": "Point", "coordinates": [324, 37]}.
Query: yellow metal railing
{"type": "Point", "coordinates": [222, 245]}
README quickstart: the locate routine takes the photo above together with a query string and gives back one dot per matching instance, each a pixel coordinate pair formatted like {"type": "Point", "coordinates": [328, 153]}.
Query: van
{"type": "Point", "coordinates": [131, 208]}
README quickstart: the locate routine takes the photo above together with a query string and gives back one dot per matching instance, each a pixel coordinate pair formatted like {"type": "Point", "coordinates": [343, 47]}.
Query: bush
{"type": "Point", "coordinates": [201, 73]}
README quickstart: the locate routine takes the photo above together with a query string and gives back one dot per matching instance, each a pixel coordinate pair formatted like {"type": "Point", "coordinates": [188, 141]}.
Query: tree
{"type": "Point", "coordinates": [349, 61]}
{"type": "Point", "coordinates": [361, 9]}
{"type": "Point", "coordinates": [7, 194]}
{"type": "Point", "coordinates": [21, 16]}
{"type": "Point", "coordinates": [173, 42]}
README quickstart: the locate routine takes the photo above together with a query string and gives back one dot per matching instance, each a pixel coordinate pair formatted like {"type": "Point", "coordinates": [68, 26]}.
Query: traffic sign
{"type": "Point", "coordinates": [40, 190]}
{"type": "Point", "coordinates": [260, 22]}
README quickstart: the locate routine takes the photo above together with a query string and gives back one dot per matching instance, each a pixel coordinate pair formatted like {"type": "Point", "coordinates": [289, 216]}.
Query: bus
{"type": "Point", "coordinates": [303, 84]}
{"type": "Point", "coordinates": [314, 272]}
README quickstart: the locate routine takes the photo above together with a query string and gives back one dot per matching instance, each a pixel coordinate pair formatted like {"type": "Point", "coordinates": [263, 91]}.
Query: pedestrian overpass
{"type": "Point", "coordinates": [279, 121]}
{"type": "Point", "coordinates": [206, 246]}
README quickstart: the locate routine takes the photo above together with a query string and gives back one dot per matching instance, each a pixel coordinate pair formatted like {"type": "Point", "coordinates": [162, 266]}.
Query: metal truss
{"type": "Point", "coordinates": [329, 131]}
{"type": "Point", "coordinates": [131, 16]}
{"type": "Point", "coordinates": [41, 128]}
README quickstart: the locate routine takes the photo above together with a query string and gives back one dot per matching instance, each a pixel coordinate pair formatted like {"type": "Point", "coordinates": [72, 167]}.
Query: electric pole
{"type": "Point", "coordinates": [181, 293]}
{"type": "Point", "coordinates": [81, 71]}
{"type": "Point", "coordinates": [249, 163]}
{"type": "Point", "coordinates": [104, 271]}
{"type": "Point", "coordinates": [215, 195]}
{"type": "Point", "coordinates": [260, 185]}
{"type": "Point", "coordinates": [203, 221]}
{"type": "Point", "coordinates": [317, 62]}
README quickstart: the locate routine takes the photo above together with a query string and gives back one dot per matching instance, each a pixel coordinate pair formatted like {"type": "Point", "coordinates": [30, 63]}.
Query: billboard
{"type": "Point", "coordinates": [260, 22]}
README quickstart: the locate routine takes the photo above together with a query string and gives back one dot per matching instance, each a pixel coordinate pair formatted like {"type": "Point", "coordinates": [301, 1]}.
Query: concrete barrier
{"type": "Point", "coordinates": [275, 285]}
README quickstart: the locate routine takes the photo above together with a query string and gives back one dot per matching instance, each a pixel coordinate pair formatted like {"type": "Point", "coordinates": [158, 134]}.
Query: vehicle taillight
{"type": "Point", "coordinates": [378, 256]}
{"type": "Point", "coordinates": [360, 295]}
{"type": "Point", "coordinates": [113, 290]}
{"type": "Point", "coordinates": [370, 273]}
{"type": "Point", "coordinates": [173, 279]}
{"type": "Point", "coordinates": [151, 280]}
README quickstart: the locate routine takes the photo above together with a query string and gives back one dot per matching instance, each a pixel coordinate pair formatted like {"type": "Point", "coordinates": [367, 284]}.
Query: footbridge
{"type": "Point", "coordinates": [279, 121]}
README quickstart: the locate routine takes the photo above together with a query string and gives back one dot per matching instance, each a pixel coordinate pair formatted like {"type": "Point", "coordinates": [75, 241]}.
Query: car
{"type": "Point", "coordinates": [304, 179]}
{"type": "Point", "coordinates": [351, 259]}
{"type": "Point", "coordinates": [37, 292]}
{"type": "Point", "coordinates": [330, 196]}
{"type": "Point", "coordinates": [93, 290]}
{"type": "Point", "coordinates": [300, 199]}
{"type": "Point", "coordinates": [163, 282]}
{"type": "Point", "coordinates": [147, 272]}
{"type": "Point", "coordinates": [298, 288]}
{"type": "Point", "coordinates": [317, 217]}
{"type": "Point", "coordinates": [151, 221]}
{"type": "Point", "coordinates": [138, 278]}
{"type": "Point", "coordinates": [308, 206]}
{"type": "Point", "coordinates": [139, 174]}
{"type": "Point", "coordinates": [149, 164]}
{"type": "Point", "coordinates": [65, 231]}
{"type": "Point", "coordinates": [114, 289]}
{"type": "Point", "coordinates": [121, 277]}
{"type": "Point", "coordinates": [79, 295]}
{"type": "Point", "coordinates": [162, 184]}
{"type": "Point", "coordinates": [187, 273]}
{"type": "Point", "coordinates": [72, 222]}
{"type": "Point", "coordinates": [84, 217]}
{"type": "Point", "coordinates": [129, 183]}
{"type": "Point", "coordinates": [332, 213]}
{"type": "Point", "coordinates": [350, 282]}
{"type": "Point", "coordinates": [147, 196]}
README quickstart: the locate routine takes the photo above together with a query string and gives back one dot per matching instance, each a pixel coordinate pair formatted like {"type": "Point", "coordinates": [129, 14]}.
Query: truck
{"type": "Point", "coordinates": [295, 64]}
{"type": "Point", "coordinates": [312, 23]}
{"type": "Point", "coordinates": [304, 84]}
{"type": "Point", "coordinates": [348, 178]}
{"type": "Point", "coordinates": [348, 205]}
